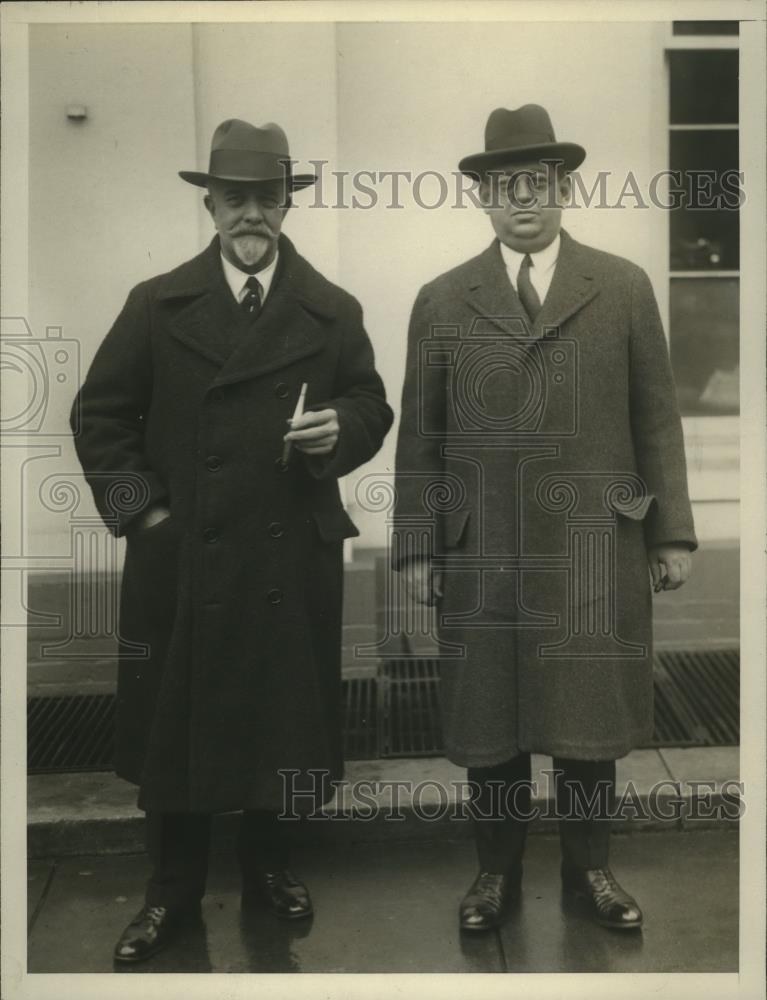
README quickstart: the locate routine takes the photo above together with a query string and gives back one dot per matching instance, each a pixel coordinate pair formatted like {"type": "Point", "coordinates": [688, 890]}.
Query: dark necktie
{"type": "Point", "coordinates": [527, 294]}
{"type": "Point", "coordinates": [251, 304]}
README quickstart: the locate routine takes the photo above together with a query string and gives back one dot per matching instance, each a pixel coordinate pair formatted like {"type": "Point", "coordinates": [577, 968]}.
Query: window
{"type": "Point", "coordinates": [704, 232]}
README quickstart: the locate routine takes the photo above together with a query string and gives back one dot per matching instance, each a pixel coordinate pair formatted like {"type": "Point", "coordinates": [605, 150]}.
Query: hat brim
{"type": "Point", "coordinates": [570, 153]}
{"type": "Point", "coordinates": [295, 181]}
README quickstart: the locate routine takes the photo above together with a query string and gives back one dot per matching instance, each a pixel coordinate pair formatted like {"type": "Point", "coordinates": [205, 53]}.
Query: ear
{"type": "Point", "coordinates": [565, 188]}
{"type": "Point", "coordinates": [485, 196]}
{"type": "Point", "coordinates": [210, 205]}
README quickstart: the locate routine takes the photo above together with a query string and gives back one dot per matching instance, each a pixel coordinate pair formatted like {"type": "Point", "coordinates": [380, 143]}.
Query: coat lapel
{"type": "Point", "coordinates": [208, 321]}
{"type": "Point", "coordinates": [204, 318]}
{"type": "Point", "coordinates": [492, 296]}
{"type": "Point", "coordinates": [572, 286]}
{"type": "Point", "coordinates": [288, 328]}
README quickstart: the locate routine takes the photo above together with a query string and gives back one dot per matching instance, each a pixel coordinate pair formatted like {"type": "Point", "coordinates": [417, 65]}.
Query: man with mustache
{"type": "Point", "coordinates": [230, 622]}
{"type": "Point", "coordinates": [539, 395]}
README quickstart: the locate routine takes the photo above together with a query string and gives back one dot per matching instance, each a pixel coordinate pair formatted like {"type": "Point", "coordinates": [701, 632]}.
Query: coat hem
{"type": "Point", "coordinates": [591, 752]}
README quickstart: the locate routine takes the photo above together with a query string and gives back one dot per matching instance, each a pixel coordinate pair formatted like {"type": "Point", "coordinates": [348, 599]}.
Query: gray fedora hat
{"type": "Point", "coordinates": [240, 151]}
{"type": "Point", "coordinates": [525, 133]}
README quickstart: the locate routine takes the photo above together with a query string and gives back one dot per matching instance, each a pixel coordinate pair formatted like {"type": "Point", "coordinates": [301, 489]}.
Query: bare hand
{"type": "Point", "coordinates": [670, 566]}
{"type": "Point", "coordinates": [315, 432]}
{"type": "Point", "coordinates": [423, 585]}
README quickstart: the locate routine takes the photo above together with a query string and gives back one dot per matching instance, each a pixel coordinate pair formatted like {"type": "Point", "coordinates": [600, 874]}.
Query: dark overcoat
{"type": "Point", "coordinates": [236, 598]}
{"type": "Point", "coordinates": [537, 463]}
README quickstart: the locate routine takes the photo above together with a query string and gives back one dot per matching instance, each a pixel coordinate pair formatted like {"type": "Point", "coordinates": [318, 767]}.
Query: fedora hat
{"type": "Point", "coordinates": [240, 151]}
{"type": "Point", "coordinates": [523, 134]}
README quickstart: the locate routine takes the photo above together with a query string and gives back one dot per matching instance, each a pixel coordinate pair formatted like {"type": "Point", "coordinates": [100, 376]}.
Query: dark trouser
{"type": "Point", "coordinates": [178, 845]}
{"type": "Point", "coordinates": [585, 792]}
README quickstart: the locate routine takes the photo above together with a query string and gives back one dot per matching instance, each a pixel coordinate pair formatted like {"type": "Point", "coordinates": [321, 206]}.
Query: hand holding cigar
{"type": "Point", "coordinates": [314, 432]}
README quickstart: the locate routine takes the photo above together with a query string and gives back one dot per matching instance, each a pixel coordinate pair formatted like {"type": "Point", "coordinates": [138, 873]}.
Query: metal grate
{"type": "Point", "coordinates": [697, 698]}
{"type": "Point", "coordinates": [396, 713]}
{"type": "Point", "coordinates": [360, 718]}
{"type": "Point", "coordinates": [410, 720]}
{"type": "Point", "coordinates": [70, 733]}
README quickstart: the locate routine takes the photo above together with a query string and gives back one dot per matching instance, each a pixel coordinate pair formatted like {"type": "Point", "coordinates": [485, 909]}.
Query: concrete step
{"type": "Point", "coordinates": [393, 800]}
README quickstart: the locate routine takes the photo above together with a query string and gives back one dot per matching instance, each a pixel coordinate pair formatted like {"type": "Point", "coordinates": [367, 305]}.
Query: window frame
{"type": "Point", "coordinates": [712, 442]}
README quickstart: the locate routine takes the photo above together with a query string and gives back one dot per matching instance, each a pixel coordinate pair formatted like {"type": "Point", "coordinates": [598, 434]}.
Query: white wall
{"type": "Point", "coordinates": [107, 207]}
{"type": "Point", "coordinates": [416, 97]}
{"type": "Point", "coordinates": [273, 72]}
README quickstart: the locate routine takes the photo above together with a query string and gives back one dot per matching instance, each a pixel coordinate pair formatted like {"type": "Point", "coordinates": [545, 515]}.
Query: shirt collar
{"type": "Point", "coordinates": [236, 278]}
{"type": "Point", "coordinates": [543, 260]}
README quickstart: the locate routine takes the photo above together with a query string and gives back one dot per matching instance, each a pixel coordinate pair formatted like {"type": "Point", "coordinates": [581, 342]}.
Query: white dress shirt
{"type": "Point", "coordinates": [543, 264]}
{"type": "Point", "coordinates": [236, 279]}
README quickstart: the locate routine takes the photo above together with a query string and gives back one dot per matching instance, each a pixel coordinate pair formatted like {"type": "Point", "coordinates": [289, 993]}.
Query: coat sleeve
{"type": "Point", "coordinates": [656, 423]}
{"type": "Point", "coordinates": [364, 416]}
{"type": "Point", "coordinates": [419, 460]}
{"type": "Point", "coordinates": [107, 419]}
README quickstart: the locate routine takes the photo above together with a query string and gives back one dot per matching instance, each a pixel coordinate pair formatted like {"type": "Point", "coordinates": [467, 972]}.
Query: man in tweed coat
{"type": "Point", "coordinates": [540, 469]}
{"type": "Point", "coordinates": [233, 573]}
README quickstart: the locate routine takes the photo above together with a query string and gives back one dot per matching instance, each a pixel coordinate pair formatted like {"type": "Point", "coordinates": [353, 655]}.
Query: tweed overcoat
{"type": "Point", "coordinates": [230, 616]}
{"type": "Point", "coordinates": [537, 463]}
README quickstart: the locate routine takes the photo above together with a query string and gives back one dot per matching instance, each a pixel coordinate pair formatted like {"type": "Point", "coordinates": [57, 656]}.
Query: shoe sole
{"type": "Point", "coordinates": [502, 917]}
{"type": "Point", "coordinates": [132, 959]}
{"type": "Point", "coordinates": [584, 898]}
{"type": "Point", "coordinates": [474, 929]}
{"type": "Point", "coordinates": [249, 902]}
{"type": "Point", "coordinates": [294, 916]}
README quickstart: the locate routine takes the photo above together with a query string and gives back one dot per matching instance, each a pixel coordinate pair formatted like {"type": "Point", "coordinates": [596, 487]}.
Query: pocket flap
{"type": "Point", "coordinates": [631, 505]}
{"type": "Point", "coordinates": [335, 524]}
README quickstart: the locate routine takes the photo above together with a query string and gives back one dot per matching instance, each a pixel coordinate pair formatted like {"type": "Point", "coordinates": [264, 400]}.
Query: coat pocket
{"type": "Point", "coordinates": [454, 528]}
{"type": "Point", "coordinates": [631, 505]}
{"type": "Point", "coordinates": [154, 555]}
{"type": "Point", "coordinates": [334, 525]}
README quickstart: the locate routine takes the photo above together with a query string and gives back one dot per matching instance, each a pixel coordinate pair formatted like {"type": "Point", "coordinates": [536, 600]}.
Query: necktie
{"type": "Point", "coordinates": [525, 290]}
{"type": "Point", "coordinates": [251, 304]}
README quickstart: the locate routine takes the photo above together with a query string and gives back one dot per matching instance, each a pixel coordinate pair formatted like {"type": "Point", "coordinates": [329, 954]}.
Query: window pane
{"type": "Point", "coordinates": [704, 86]}
{"type": "Point", "coordinates": [706, 238]}
{"type": "Point", "coordinates": [704, 344]}
{"type": "Point", "coordinates": [706, 27]}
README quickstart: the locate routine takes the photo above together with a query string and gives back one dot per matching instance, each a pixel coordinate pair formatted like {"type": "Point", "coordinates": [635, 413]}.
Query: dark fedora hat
{"type": "Point", "coordinates": [523, 134]}
{"type": "Point", "coordinates": [240, 151]}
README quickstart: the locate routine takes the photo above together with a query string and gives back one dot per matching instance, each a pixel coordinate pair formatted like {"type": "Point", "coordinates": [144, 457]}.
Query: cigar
{"type": "Point", "coordinates": [298, 412]}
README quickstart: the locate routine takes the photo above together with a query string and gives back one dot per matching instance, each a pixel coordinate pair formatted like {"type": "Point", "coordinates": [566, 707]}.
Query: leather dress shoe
{"type": "Point", "coordinates": [281, 891]}
{"type": "Point", "coordinates": [486, 903]}
{"type": "Point", "coordinates": [151, 930]}
{"type": "Point", "coordinates": [609, 903]}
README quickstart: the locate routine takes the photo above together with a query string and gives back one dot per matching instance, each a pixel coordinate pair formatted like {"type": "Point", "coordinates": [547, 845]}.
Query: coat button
{"type": "Point", "coordinates": [274, 596]}
{"type": "Point", "coordinates": [210, 535]}
{"type": "Point", "coordinates": [213, 463]}
{"type": "Point", "coordinates": [281, 390]}
{"type": "Point", "coordinates": [276, 530]}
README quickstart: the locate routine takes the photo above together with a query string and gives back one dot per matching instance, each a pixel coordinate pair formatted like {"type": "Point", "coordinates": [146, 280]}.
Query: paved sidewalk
{"type": "Point", "coordinates": [392, 908]}
{"type": "Point", "coordinates": [95, 813]}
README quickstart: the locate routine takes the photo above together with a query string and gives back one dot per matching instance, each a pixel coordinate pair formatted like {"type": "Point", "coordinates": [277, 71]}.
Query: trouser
{"type": "Point", "coordinates": [178, 845]}
{"type": "Point", "coordinates": [501, 800]}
